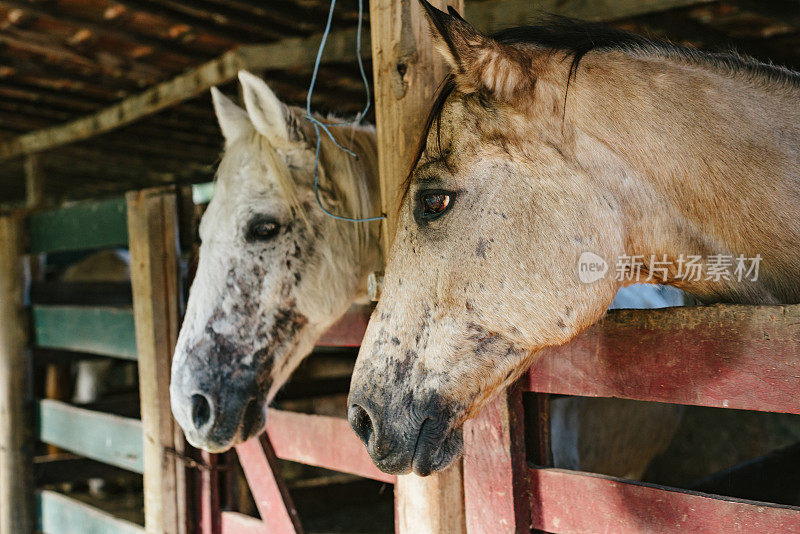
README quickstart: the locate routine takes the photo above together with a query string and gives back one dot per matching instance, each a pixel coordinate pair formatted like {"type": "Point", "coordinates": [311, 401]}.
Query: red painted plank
{"type": "Point", "coordinates": [496, 477]}
{"type": "Point", "coordinates": [728, 356]}
{"type": "Point", "coordinates": [567, 501]}
{"type": "Point", "coordinates": [269, 492]}
{"type": "Point", "coordinates": [322, 441]}
{"type": "Point", "coordinates": [349, 330]}
{"type": "Point", "coordinates": [208, 496]}
{"type": "Point", "coordinates": [236, 523]}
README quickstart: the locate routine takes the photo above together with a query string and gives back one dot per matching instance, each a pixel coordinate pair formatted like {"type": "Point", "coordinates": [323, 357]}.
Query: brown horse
{"type": "Point", "coordinates": [555, 156]}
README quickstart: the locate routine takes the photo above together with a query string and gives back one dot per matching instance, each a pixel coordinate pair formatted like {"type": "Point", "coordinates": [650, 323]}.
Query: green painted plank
{"type": "Point", "coordinates": [86, 225]}
{"type": "Point", "coordinates": [97, 330]}
{"type": "Point", "coordinates": [107, 438]}
{"type": "Point", "coordinates": [59, 514]}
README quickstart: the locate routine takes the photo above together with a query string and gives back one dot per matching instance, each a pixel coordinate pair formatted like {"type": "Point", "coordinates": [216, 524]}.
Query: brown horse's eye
{"type": "Point", "coordinates": [432, 204]}
{"type": "Point", "coordinates": [437, 203]}
{"type": "Point", "coordinates": [262, 230]}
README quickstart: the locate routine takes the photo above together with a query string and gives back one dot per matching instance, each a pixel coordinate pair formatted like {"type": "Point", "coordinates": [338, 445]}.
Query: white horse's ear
{"type": "Point", "coordinates": [232, 119]}
{"type": "Point", "coordinates": [267, 113]}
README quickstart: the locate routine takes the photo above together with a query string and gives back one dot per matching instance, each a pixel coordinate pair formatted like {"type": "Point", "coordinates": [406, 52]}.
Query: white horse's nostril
{"type": "Point", "coordinates": [201, 411]}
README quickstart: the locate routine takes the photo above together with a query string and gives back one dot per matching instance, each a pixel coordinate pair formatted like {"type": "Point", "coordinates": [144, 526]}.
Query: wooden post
{"type": "Point", "coordinates": [407, 71]}
{"type": "Point", "coordinates": [57, 376]}
{"type": "Point", "coordinates": [34, 181]}
{"type": "Point", "coordinates": [153, 238]}
{"type": "Point", "coordinates": [16, 479]}
{"type": "Point", "coordinates": [497, 491]}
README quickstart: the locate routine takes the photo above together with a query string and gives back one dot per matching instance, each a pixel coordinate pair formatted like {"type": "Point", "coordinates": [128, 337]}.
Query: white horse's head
{"type": "Point", "coordinates": [274, 270]}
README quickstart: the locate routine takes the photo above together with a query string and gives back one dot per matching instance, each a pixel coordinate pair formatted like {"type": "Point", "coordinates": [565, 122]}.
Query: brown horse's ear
{"type": "Point", "coordinates": [479, 63]}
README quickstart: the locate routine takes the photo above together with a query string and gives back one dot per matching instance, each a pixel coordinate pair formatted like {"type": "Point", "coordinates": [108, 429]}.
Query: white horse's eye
{"type": "Point", "coordinates": [262, 230]}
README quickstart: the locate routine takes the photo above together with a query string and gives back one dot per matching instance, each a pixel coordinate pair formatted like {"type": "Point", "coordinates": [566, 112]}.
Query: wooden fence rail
{"type": "Point", "coordinates": [59, 514]}
{"type": "Point", "coordinates": [96, 330]}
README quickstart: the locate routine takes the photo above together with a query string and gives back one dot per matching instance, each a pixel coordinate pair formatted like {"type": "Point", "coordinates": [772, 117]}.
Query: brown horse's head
{"type": "Point", "coordinates": [483, 268]}
{"type": "Point", "coordinates": [552, 153]}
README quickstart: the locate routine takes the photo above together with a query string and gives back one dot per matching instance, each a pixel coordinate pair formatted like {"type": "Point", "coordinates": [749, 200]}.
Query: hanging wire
{"type": "Point", "coordinates": [319, 125]}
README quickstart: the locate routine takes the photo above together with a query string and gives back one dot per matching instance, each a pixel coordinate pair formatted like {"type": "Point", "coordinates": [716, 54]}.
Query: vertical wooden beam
{"type": "Point", "coordinates": [207, 501]}
{"type": "Point", "coordinates": [153, 241]}
{"type": "Point", "coordinates": [34, 181]}
{"type": "Point", "coordinates": [57, 376]}
{"type": "Point", "coordinates": [496, 475]}
{"type": "Point", "coordinates": [407, 71]}
{"type": "Point", "coordinates": [430, 504]}
{"type": "Point", "coordinates": [16, 478]}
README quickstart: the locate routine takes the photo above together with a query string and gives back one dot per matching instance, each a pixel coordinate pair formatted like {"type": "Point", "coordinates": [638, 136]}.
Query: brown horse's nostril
{"type": "Point", "coordinates": [201, 411]}
{"type": "Point", "coordinates": [360, 422]}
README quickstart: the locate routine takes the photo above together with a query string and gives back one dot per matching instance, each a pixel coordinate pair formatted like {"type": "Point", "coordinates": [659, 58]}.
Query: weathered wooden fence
{"type": "Point", "coordinates": [146, 223]}
{"type": "Point", "coordinates": [725, 356]}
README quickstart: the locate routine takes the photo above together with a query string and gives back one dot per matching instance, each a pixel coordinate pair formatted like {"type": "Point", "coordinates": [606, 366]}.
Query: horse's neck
{"type": "Point", "coordinates": [711, 167]}
{"type": "Point", "coordinates": [368, 204]}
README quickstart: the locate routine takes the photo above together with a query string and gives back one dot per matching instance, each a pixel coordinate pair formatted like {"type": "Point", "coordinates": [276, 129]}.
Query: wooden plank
{"type": "Point", "coordinates": [16, 483]}
{"type": "Point", "coordinates": [496, 483]}
{"type": "Point", "coordinates": [96, 330]}
{"type": "Point", "coordinates": [349, 330]}
{"type": "Point", "coordinates": [275, 506]}
{"type": "Point", "coordinates": [568, 501]}
{"type": "Point", "coordinates": [34, 181]}
{"type": "Point", "coordinates": [207, 499]}
{"type": "Point", "coordinates": [406, 72]}
{"type": "Point", "coordinates": [495, 15]}
{"type": "Point", "coordinates": [59, 514]}
{"type": "Point", "coordinates": [100, 436]}
{"type": "Point", "coordinates": [287, 53]}
{"type": "Point", "coordinates": [725, 356]}
{"type": "Point", "coordinates": [322, 441]}
{"type": "Point", "coordinates": [86, 225]}
{"type": "Point", "coordinates": [155, 279]}
{"type": "Point", "coordinates": [236, 523]}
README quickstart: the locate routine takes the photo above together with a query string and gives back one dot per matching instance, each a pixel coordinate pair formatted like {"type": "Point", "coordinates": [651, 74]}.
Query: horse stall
{"type": "Point", "coordinates": [104, 98]}
{"type": "Point", "coordinates": [74, 321]}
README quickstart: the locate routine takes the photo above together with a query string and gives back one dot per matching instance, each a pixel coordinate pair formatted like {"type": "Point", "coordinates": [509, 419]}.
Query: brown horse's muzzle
{"type": "Point", "coordinates": [402, 435]}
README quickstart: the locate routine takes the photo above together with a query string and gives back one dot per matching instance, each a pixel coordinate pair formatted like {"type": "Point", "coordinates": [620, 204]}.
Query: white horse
{"type": "Point", "coordinates": [274, 272]}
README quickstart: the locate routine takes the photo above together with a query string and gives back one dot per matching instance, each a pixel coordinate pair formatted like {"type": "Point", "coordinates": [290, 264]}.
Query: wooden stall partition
{"type": "Point", "coordinates": [16, 481]}
{"type": "Point", "coordinates": [407, 70]}
{"type": "Point", "coordinates": [724, 356]}
{"type": "Point", "coordinates": [155, 279]}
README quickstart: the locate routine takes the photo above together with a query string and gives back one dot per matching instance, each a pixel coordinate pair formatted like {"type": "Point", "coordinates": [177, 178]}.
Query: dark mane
{"type": "Point", "coordinates": [575, 38]}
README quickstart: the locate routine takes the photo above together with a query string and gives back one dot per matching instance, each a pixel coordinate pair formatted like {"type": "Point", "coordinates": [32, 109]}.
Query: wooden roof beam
{"type": "Point", "coordinates": [199, 20]}
{"type": "Point", "coordinates": [135, 38]}
{"type": "Point", "coordinates": [288, 53]}
{"type": "Point", "coordinates": [284, 54]}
